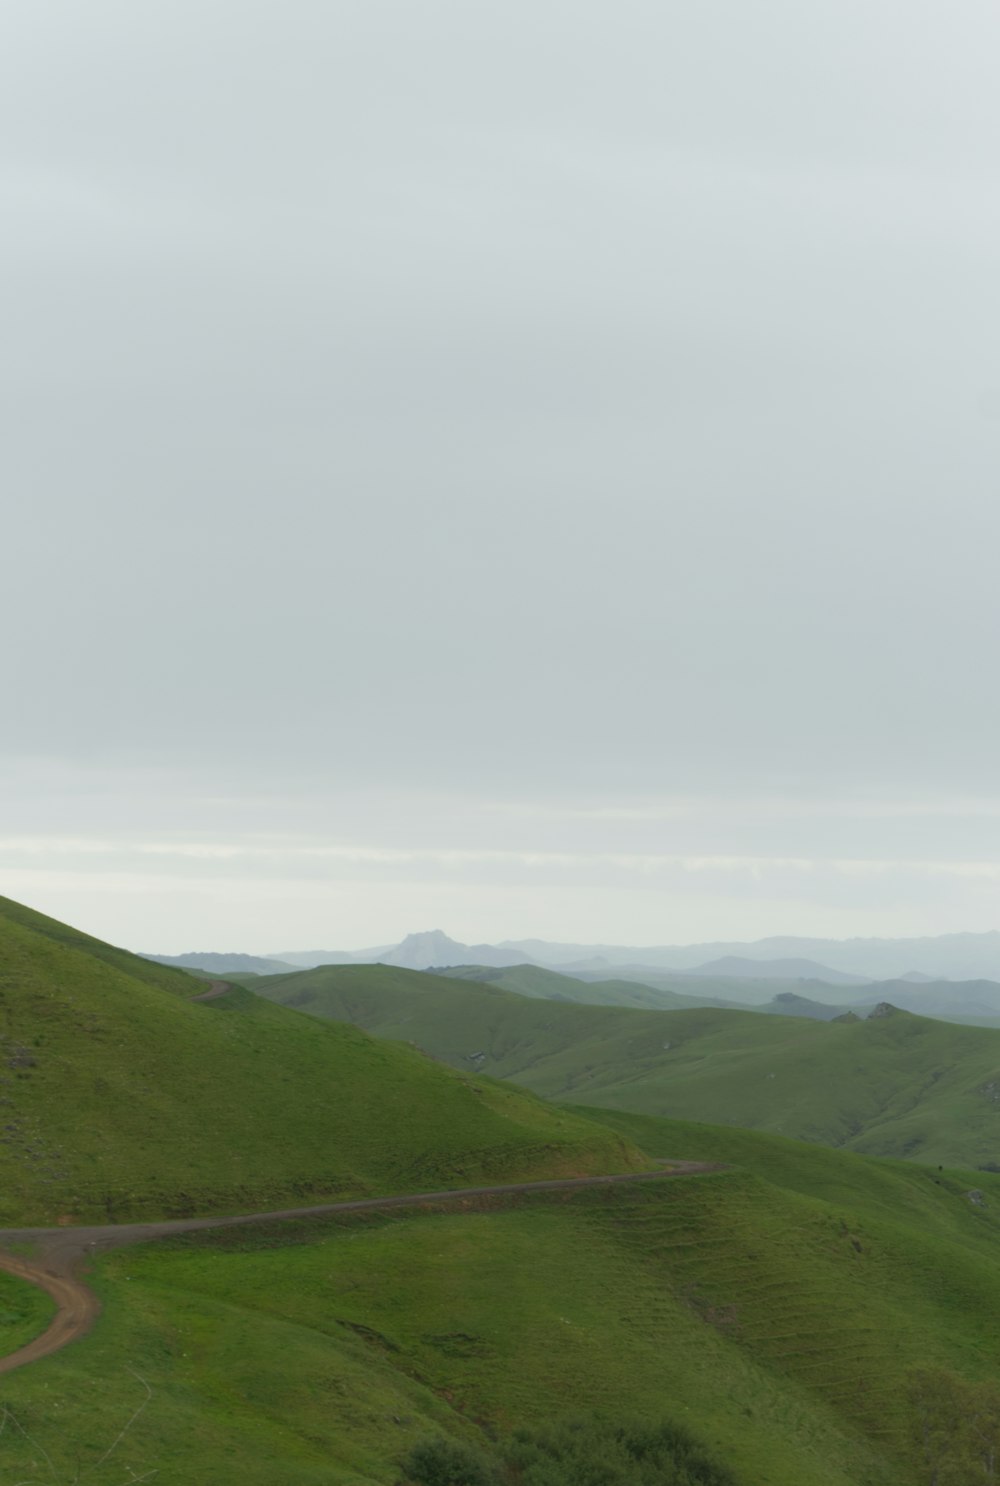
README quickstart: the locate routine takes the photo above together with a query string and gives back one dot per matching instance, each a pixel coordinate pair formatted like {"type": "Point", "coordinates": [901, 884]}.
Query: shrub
{"type": "Point", "coordinates": [449, 1463]}
{"type": "Point", "coordinates": [586, 1451]}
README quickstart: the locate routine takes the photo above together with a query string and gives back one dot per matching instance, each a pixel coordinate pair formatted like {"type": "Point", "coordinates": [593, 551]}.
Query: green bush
{"type": "Point", "coordinates": [594, 1452]}
{"type": "Point", "coordinates": [449, 1463]}
{"type": "Point", "coordinates": [575, 1452]}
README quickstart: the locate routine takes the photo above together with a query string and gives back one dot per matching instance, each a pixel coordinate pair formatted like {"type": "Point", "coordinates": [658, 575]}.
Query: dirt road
{"type": "Point", "coordinates": [216, 988]}
{"type": "Point", "coordinates": [62, 1252]}
{"type": "Point", "coordinates": [77, 1310]}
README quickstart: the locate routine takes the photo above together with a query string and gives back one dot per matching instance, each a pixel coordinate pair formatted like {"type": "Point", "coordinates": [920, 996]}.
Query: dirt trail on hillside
{"type": "Point", "coordinates": [216, 988]}
{"type": "Point", "coordinates": [77, 1310]}
{"type": "Point", "coordinates": [62, 1252]}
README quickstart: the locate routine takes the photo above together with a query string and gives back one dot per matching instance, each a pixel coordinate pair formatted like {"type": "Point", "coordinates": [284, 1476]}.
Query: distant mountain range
{"type": "Point", "coordinates": [416, 952]}
{"type": "Point", "coordinates": [223, 964]}
{"type": "Point", "coordinates": [831, 961]}
{"type": "Point", "coordinates": [742, 966]}
{"type": "Point", "coordinates": [942, 957]}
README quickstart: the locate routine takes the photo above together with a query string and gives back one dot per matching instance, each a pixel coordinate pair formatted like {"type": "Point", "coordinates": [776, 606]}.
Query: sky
{"type": "Point", "coordinates": [528, 470]}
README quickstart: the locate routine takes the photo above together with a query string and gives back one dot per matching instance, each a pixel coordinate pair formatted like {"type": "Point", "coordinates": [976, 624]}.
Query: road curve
{"type": "Point", "coordinates": [62, 1251]}
{"type": "Point", "coordinates": [216, 988]}
{"type": "Point", "coordinates": [77, 1309]}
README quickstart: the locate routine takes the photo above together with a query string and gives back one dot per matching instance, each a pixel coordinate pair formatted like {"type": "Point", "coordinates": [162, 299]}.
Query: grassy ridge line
{"type": "Point", "coordinates": [900, 1085]}
{"type": "Point", "coordinates": [778, 1323]}
{"type": "Point", "coordinates": [118, 1101]}
{"type": "Point", "coordinates": [930, 1199]}
{"type": "Point", "coordinates": [148, 971]}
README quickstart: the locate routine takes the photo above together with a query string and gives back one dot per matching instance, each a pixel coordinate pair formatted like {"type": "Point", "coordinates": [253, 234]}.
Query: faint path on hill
{"type": "Point", "coordinates": [216, 988]}
{"type": "Point", "coordinates": [63, 1251]}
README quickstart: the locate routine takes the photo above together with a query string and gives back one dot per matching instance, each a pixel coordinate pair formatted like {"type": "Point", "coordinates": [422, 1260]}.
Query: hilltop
{"type": "Point", "coordinates": [898, 1085]}
{"type": "Point", "coordinates": [123, 1095]}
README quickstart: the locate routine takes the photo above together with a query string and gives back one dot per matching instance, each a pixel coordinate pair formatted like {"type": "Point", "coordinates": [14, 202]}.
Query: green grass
{"type": "Point", "coordinates": [901, 1085]}
{"type": "Point", "coordinates": [121, 1097]}
{"type": "Point", "coordinates": [25, 1311]}
{"type": "Point", "coordinates": [776, 1310]}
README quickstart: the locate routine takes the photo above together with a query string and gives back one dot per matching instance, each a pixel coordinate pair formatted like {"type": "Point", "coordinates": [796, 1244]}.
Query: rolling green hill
{"type": "Point", "coordinates": [121, 1096]}
{"type": "Point", "coordinates": [898, 1085]}
{"type": "Point", "coordinates": [971, 1003]}
{"type": "Point", "coordinates": [811, 1317]}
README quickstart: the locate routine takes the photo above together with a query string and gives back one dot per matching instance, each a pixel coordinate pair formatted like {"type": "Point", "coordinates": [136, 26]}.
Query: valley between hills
{"type": "Point", "coordinates": [813, 1301]}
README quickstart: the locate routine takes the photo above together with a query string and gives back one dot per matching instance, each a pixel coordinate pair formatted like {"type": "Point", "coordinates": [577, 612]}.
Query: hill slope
{"type": "Point", "coordinates": [782, 1311]}
{"type": "Point", "coordinates": [122, 1096]}
{"type": "Point", "coordinates": [897, 1085]}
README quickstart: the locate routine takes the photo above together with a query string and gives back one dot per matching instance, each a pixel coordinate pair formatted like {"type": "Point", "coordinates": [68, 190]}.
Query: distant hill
{"type": "Point", "coordinates": [551, 985]}
{"type": "Point", "coordinates": [942, 956]}
{"type": "Point", "coordinates": [973, 1002]}
{"type": "Point", "coordinates": [306, 959]}
{"type": "Point", "coordinates": [556, 985]}
{"type": "Point", "coordinates": [421, 951]}
{"type": "Point", "coordinates": [787, 1003]}
{"type": "Point", "coordinates": [963, 1000]}
{"type": "Point", "coordinates": [739, 990]}
{"type": "Point", "coordinates": [122, 1095]}
{"type": "Point", "coordinates": [898, 1085]}
{"type": "Point", "coordinates": [223, 964]}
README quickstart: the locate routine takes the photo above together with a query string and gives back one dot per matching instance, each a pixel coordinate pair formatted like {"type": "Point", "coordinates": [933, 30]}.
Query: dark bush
{"type": "Point", "coordinates": [449, 1463]}
{"type": "Point", "coordinates": [585, 1451]}
{"type": "Point", "coordinates": [595, 1452]}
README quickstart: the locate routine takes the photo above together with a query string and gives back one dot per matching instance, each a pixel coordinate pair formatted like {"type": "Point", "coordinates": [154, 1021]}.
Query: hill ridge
{"type": "Point", "coordinates": [123, 1094]}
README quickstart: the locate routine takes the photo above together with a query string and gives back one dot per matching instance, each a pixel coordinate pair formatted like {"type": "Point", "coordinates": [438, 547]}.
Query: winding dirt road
{"type": "Point", "coordinates": [62, 1252]}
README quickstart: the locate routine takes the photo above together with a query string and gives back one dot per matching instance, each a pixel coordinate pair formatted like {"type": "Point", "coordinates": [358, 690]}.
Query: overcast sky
{"type": "Point", "coordinates": [525, 469]}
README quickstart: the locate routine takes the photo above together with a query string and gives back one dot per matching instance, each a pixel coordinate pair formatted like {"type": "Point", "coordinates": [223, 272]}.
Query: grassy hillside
{"type": "Point", "coordinates": [17, 915]}
{"type": "Point", "coordinates": [974, 1002]}
{"type": "Point", "coordinates": [25, 1311]}
{"type": "Point", "coordinates": [781, 1311]}
{"type": "Point", "coordinates": [121, 1096]}
{"type": "Point", "coordinates": [898, 1086]}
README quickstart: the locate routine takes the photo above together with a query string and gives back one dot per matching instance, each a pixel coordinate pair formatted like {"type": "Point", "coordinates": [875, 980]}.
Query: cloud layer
{"type": "Point", "coordinates": [436, 430]}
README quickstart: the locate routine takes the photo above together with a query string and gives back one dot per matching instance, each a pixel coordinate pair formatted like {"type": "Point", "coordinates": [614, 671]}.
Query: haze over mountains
{"type": "Point", "coordinates": [832, 961]}
{"type": "Point", "coordinates": [789, 969]}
